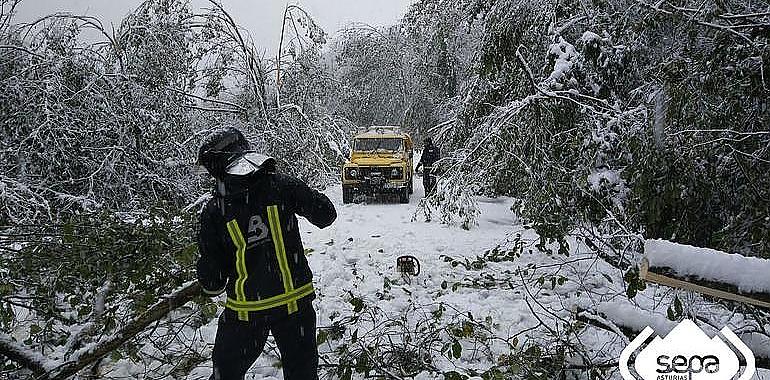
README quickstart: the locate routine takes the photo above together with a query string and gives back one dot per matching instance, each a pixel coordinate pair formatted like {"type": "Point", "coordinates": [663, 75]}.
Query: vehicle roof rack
{"type": "Point", "coordinates": [385, 128]}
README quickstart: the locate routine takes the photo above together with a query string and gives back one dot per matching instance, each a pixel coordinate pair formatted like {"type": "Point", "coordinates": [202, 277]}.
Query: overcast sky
{"type": "Point", "coordinates": [262, 18]}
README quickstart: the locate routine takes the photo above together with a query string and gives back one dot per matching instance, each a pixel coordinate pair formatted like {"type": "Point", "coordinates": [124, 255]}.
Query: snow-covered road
{"type": "Point", "coordinates": [366, 239]}
{"type": "Point", "coordinates": [355, 256]}
{"type": "Point", "coordinates": [357, 281]}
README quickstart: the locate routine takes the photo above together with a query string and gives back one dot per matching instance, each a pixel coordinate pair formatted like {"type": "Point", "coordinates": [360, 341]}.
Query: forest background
{"type": "Point", "coordinates": [609, 121]}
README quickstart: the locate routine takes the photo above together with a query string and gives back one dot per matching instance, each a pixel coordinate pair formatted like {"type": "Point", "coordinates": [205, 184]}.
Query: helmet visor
{"type": "Point", "coordinates": [248, 163]}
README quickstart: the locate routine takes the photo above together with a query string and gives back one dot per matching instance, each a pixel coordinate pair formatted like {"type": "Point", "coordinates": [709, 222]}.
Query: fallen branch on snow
{"type": "Point", "coordinates": [45, 369]}
{"type": "Point", "coordinates": [707, 271]}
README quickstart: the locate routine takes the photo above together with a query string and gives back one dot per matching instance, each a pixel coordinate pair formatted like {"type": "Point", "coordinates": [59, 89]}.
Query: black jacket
{"type": "Point", "coordinates": [429, 156]}
{"type": "Point", "coordinates": [250, 243]}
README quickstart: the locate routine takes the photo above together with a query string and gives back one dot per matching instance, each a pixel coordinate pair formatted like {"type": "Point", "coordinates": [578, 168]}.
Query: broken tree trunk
{"type": "Point", "coordinates": [53, 370]}
{"type": "Point", "coordinates": [707, 271]}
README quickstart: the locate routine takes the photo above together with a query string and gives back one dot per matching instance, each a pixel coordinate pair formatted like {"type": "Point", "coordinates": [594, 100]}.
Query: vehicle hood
{"type": "Point", "coordinates": [376, 159]}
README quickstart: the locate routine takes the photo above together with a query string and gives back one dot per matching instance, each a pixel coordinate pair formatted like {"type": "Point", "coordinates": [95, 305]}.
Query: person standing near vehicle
{"type": "Point", "coordinates": [430, 154]}
{"type": "Point", "coordinates": [250, 247]}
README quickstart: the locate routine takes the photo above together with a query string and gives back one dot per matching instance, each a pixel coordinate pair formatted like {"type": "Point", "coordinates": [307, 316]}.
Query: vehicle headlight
{"type": "Point", "coordinates": [397, 173]}
{"type": "Point", "coordinates": [352, 173]}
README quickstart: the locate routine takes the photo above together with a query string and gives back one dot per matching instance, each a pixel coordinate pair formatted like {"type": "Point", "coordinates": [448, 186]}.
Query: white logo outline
{"type": "Point", "coordinates": [634, 345]}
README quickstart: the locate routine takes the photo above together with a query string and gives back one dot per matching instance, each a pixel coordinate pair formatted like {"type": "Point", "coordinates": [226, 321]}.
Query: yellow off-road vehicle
{"type": "Point", "coordinates": [380, 163]}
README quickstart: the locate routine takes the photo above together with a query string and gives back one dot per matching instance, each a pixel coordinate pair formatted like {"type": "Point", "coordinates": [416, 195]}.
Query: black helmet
{"type": "Point", "coordinates": [428, 141]}
{"type": "Point", "coordinates": [221, 147]}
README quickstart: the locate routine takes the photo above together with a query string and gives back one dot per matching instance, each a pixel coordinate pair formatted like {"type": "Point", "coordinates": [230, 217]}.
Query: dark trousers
{"type": "Point", "coordinates": [428, 180]}
{"type": "Point", "coordinates": [239, 343]}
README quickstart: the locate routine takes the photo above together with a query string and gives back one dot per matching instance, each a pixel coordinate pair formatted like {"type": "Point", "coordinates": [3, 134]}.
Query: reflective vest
{"type": "Point", "coordinates": [290, 294]}
{"type": "Point", "coordinates": [250, 239]}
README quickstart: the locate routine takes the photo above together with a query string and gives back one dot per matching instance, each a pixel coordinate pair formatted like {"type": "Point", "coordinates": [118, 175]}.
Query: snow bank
{"type": "Point", "coordinates": [625, 314]}
{"type": "Point", "coordinates": [748, 274]}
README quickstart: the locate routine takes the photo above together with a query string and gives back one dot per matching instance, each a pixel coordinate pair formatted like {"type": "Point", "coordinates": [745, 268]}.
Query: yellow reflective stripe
{"type": "Point", "coordinates": [280, 252]}
{"type": "Point", "coordinates": [240, 263]}
{"type": "Point", "coordinates": [269, 303]}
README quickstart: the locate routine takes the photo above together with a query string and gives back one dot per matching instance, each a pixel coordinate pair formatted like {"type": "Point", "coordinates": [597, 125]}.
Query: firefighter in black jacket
{"type": "Point", "coordinates": [430, 154]}
{"type": "Point", "coordinates": [250, 246]}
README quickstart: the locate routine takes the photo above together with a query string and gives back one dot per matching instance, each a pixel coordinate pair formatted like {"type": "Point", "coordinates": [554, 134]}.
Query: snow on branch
{"type": "Point", "coordinates": [20, 354]}
{"type": "Point", "coordinates": [46, 369]}
{"type": "Point", "coordinates": [691, 15]}
{"type": "Point", "coordinates": [595, 105]}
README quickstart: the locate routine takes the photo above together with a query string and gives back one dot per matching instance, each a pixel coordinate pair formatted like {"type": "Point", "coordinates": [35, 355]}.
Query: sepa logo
{"type": "Point", "coordinates": [687, 353]}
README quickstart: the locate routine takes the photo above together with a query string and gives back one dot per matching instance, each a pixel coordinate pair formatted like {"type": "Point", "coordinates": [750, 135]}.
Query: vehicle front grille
{"type": "Point", "coordinates": [371, 172]}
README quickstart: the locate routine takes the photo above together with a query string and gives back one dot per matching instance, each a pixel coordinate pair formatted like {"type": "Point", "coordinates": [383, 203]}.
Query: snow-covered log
{"type": "Point", "coordinates": [707, 271]}
{"type": "Point", "coordinates": [53, 370]}
{"type": "Point", "coordinates": [18, 353]}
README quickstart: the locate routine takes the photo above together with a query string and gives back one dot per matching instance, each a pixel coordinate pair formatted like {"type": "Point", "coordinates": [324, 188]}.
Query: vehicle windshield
{"type": "Point", "coordinates": [378, 144]}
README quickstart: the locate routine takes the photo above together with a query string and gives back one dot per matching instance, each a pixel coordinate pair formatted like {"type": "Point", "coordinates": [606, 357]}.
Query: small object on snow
{"type": "Point", "coordinates": [350, 239]}
{"type": "Point", "coordinates": [408, 265]}
{"type": "Point", "coordinates": [376, 236]}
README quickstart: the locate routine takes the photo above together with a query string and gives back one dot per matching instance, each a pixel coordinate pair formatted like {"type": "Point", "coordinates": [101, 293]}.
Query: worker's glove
{"type": "Point", "coordinates": [212, 288]}
{"type": "Point", "coordinates": [212, 293]}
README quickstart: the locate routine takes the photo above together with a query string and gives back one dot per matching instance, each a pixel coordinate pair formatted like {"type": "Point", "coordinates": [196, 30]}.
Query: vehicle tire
{"type": "Point", "coordinates": [403, 195]}
{"type": "Point", "coordinates": [347, 195]}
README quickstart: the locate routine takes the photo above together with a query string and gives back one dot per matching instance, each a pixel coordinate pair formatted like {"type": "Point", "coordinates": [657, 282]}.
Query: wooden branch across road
{"type": "Point", "coordinates": [155, 312]}
{"type": "Point", "coordinates": [20, 354]}
{"type": "Point", "coordinates": [707, 271]}
{"type": "Point", "coordinates": [664, 276]}
{"type": "Point", "coordinates": [51, 370]}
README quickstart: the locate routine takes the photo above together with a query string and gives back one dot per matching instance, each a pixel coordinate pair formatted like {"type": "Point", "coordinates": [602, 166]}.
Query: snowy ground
{"type": "Point", "coordinates": [355, 258]}
{"type": "Point", "coordinates": [360, 249]}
